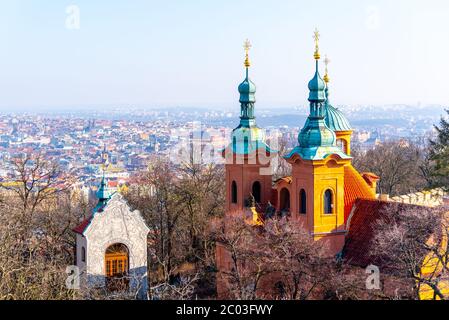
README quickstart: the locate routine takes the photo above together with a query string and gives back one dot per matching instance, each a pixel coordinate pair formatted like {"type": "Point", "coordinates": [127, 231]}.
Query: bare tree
{"type": "Point", "coordinates": [282, 168]}
{"type": "Point", "coordinates": [35, 180]}
{"type": "Point", "coordinates": [178, 203]}
{"type": "Point", "coordinates": [247, 258]}
{"type": "Point", "coordinates": [279, 260]}
{"type": "Point", "coordinates": [200, 188]}
{"type": "Point", "coordinates": [36, 241]}
{"type": "Point", "coordinates": [400, 165]}
{"type": "Point", "coordinates": [412, 244]}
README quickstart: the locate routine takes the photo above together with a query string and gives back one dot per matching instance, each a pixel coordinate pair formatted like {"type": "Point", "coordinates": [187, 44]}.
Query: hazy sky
{"type": "Point", "coordinates": [189, 53]}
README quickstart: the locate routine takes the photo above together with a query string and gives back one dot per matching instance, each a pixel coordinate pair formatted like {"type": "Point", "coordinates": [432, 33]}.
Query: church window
{"type": "Point", "coordinates": [257, 192]}
{"type": "Point", "coordinates": [285, 201]}
{"type": "Point", "coordinates": [234, 192]}
{"type": "Point", "coordinates": [117, 264]}
{"type": "Point", "coordinates": [341, 143]}
{"type": "Point", "coordinates": [328, 202]}
{"type": "Point", "coordinates": [302, 202]}
{"type": "Point", "coordinates": [116, 260]}
{"type": "Point", "coordinates": [83, 254]}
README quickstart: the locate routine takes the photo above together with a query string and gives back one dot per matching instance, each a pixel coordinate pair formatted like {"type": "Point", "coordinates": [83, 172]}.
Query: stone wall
{"type": "Point", "coordinates": [431, 198]}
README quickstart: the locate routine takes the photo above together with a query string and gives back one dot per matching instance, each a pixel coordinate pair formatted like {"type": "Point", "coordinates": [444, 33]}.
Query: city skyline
{"type": "Point", "coordinates": [165, 55]}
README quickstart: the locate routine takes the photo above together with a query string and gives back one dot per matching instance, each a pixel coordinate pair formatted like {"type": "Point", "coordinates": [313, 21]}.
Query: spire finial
{"type": "Point", "coordinates": [326, 76]}
{"type": "Point", "coordinates": [247, 46]}
{"type": "Point", "coordinates": [316, 36]}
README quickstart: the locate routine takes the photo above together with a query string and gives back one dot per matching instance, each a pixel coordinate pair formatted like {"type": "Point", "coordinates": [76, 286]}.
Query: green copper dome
{"type": "Point", "coordinates": [316, 134]}
{"type": "Point", "coordinates": [247, 90]}
{"type": "Point", "coordinates": [317, 87]}
{"type": "Point", "coordinates": [335, 119]}
{"type": "Point", "coordinates": [246, 140]}
{"type": "Point", "coordinates": [316, 140]}
{"type": "Point", "coordinates": [247, 137]}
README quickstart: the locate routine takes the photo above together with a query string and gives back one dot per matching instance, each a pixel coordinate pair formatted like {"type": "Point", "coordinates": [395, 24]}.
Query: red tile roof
{"type": "Point", "coordinates": [355, 188]}
{"type": "Point", "coordinates": [83, 226]}
{"type": "Point", "coordinates": [113, 184]}
{"type": "Point", "coordinates": [370, 178]}
{"type": "Point", "coordinates": [362, 225]}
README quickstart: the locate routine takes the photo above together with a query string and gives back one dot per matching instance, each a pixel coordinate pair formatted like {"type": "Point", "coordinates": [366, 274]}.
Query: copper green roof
{"type": "Point", "coordinates": [247, 90]}
{"type": "Point", "coordinates": [104, 193]}
{"type": "Point", "coordinates": [315, 134]}
{"type": "Point", "coordinates": [335, 119]}
{"type": "Point", "coordinates": [316, 87]}
{"type": "Point", "coordinates": [316, 140]}
{"type": "Point", "coordinates": [247, 138]}
{"type": "Point", "coordinates": [317, 153]}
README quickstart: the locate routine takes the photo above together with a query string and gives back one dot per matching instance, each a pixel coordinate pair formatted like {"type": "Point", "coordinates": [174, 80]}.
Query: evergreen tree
{"type": "Point", "coordinates": [439, 154]}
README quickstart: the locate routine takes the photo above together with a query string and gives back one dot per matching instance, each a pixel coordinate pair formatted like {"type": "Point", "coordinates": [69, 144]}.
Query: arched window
{"type": "Point", "coordinates": [117, 267]}
{"type": "Point", "coordinates": [234, 192]}
{"type": "Point", "coordinates": [302, 202]}
{"type": "Point", "coordinates": [83, 254]}
{"type": "Point", "coordinates": [328, 202]}
{"type": "Point", "coordinates": [285, 200]}
{"type": "Point", "coordinates": [343, 145]}
{"type": "Point", "coordinates": [257, 192]}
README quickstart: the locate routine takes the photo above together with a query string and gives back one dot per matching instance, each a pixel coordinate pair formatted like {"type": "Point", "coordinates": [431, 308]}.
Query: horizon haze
{"type": "Point", "coordinates": [166, 55]}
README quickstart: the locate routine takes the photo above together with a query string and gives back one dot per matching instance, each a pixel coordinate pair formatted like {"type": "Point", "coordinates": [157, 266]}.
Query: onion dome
{"type": "Point", "coordinates": [336, 120]}
{"type": "Point", "coordinates": [315, 132]}
{"type": "Point", "coordinates": [247, 137]}
{"type": "Point", "coordinates": [247, 90]}
{"type": "Point", "coordinates": [316, 136]}
{"type": "Point", "coordinates": [316, 140]}
{"type": "Point", "coordinates": [317, 87]}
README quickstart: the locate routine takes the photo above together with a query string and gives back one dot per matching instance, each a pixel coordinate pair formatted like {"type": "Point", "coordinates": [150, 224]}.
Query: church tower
{"type": "Point", "coordinates": [318, 171]}
{"type": "Point", "coordinates": [248, 157]}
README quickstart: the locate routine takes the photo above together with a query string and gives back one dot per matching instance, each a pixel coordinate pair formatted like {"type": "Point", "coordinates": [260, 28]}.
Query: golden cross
{"type": "Point", "coordinates": [326, 61]}
{"type": "Point", "coordinates": [247, 45]}
{"type": "Point", "coordinates": [326, 76]}
{"type": "Point", "coordinates": [316, 36]}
